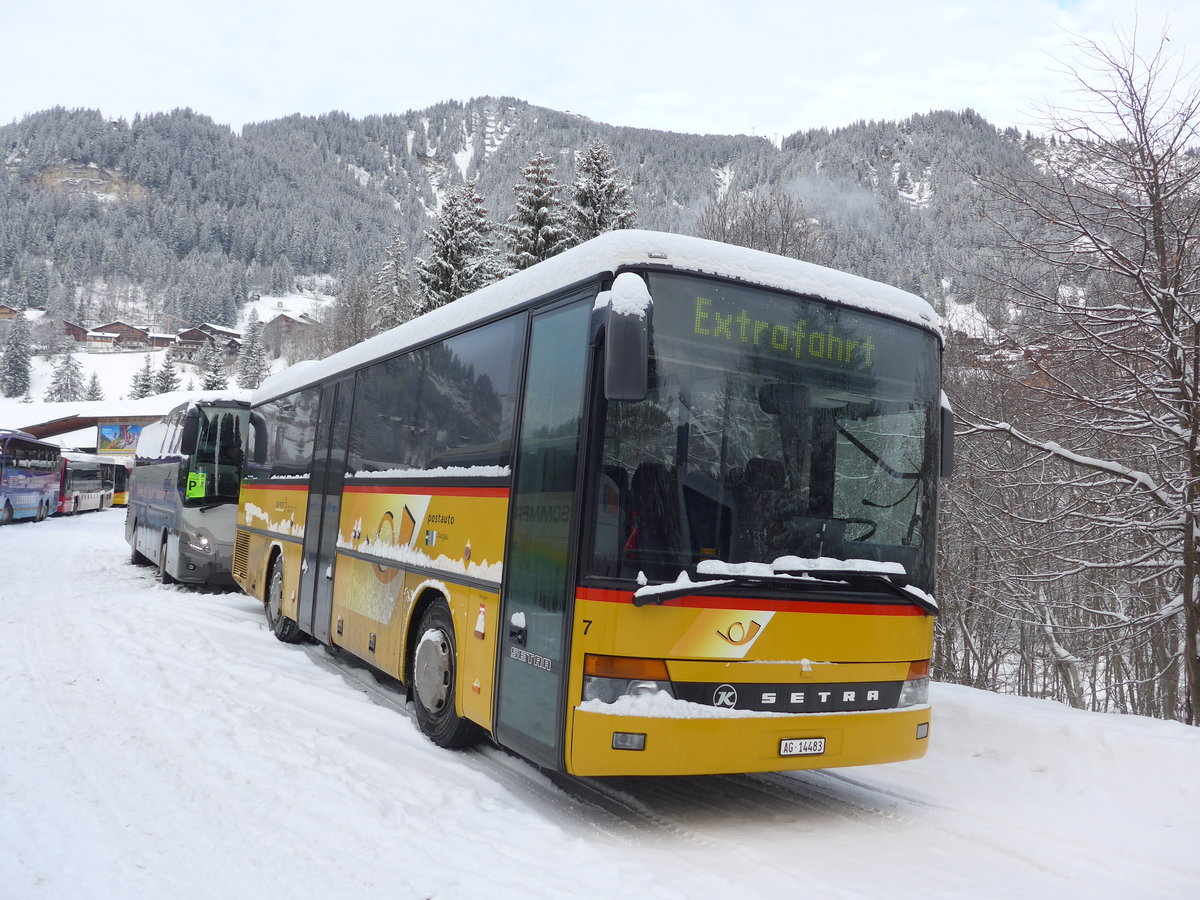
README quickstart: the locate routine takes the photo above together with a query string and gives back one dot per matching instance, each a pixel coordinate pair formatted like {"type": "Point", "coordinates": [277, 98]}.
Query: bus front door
{"type": "Point", "coordinates": [538, 572]}
{"type": "Point", "coordinates": [324, 509]}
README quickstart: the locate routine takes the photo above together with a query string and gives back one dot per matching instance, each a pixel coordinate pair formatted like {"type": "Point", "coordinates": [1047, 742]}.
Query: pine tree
{"type": "Point", "coordinates": [14, 359]}
{"type": "Point", "coordinates": [538, 229]}
{"type": "Point", "coordinates": [391, 289]}
{"type": "Point", "coordinates": [166, 379]}
{"type": "Point", "coordinates": [252, 365]}
{"type": "Point", "coordinates": [600, 200]}
{"type": "Point", "coordinates": [143, 381]}
{"type": "Point", "coordinates": [352, 315]}
{"type": "Point", "coordinates": [211, 364]}
{"type": "Point", "coordinates": [66, 384]}
{"type": "Point", "coordinates": [461, 258]}
{"type": "Point", "coordinates": [94, 390]}
{"type": "Point", "coordinates": [283, 276]}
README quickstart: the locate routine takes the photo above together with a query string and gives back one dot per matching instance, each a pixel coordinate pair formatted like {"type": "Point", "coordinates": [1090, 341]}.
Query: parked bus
{"type": "Point", "coordinates": [183, 490]}
{"type": "Point", "coordinates": [123, 465]}
{"type": "Point", "coordinates": [29, 477]}
{"type": "Point", "coordinates": [655, 506]}
{"type": "Point", "coordinates": [86, 483]}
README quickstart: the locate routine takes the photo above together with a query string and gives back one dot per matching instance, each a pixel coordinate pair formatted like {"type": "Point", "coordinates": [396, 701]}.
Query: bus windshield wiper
{"type": "Point", "coordinates": [661, 593]}
{"type": "Point", "coordinates": [878, 578]}
{"type": "Point", "coordinates": [801, 579]}
{"type": "Point", "coordinates": [683, 587]}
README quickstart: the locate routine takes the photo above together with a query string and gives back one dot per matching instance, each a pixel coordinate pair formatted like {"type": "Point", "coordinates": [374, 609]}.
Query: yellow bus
{"type": "Point", "coordinates": [655, 506]}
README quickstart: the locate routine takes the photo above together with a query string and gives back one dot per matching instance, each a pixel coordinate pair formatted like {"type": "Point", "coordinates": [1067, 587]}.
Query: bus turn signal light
{"type": "Point", "coordinates": [608, 678]}
{"type": "Point", "coordinates": [917, 669]}
{"type": "Point", "coordinates": [631, 667]}
{"type": "Point", "coordinates": [915, 690]}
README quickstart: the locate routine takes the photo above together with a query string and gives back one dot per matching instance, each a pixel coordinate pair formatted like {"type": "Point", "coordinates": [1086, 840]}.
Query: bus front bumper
{"type": "Point", "coordinates": [214, 568]}
{"type": "Point", "coordinates": [711, 746]}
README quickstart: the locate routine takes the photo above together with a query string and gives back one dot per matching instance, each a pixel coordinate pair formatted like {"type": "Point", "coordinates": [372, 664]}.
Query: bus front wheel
{"type": "Point", "coordinates": [281, 626]}
{"type": "Point", "coordinates": [164, 577]}
{"type": "Point", "coordinates": [6, 514]}
{"type": "Point", "coordinates": [435, 667]}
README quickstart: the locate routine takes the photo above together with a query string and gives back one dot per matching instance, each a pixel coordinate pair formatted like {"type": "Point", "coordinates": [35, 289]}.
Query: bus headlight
{"type": "Point", "coordinates": [606, 678]}
{"type": "Point", "coordinates": [915, 691]}
{"type": "Point", "coordinates": [199, 541]}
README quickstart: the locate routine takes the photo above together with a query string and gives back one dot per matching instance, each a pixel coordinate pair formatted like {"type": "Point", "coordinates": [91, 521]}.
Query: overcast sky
{"type": "Point", "coordinates": [707, 66]}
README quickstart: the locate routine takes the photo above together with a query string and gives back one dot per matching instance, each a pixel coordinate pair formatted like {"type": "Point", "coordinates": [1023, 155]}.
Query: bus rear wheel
{"type": "Point", "coordinates": [435, 668]}
{"type": "Point", "coordinates": [135, 557]}
{"type": "Point", "coordinates": [6, 515]}
{"type": "Point", "coordinates": [281, 626]}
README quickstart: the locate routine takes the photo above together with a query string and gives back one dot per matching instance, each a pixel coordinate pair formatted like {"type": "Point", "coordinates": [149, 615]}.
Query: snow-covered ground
{"type": "Point", "coordinates": [159, 742]}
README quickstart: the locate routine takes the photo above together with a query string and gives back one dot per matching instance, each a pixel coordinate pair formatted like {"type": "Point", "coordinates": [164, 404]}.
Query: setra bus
{"type": "Point", "coordinates": [29, 477]}
{"type": "Point", "coordinates": [123, 465]}
{"type": "Point", "coordinates": [655, 506]}
{"type": "Point", "coordinates": [183, 489]}
{"type": "Point", "coordinates": [86, 482]}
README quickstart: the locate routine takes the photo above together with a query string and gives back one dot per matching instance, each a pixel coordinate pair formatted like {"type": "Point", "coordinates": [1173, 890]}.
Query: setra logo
{"type": "Point", "coordinates": [726, 696]}
{"type": "Point", "coordinates": [738, 634]}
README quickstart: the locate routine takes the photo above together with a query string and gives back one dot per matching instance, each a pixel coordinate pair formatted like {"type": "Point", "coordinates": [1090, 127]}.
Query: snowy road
{"type": "Point", "coordinates": [158, 741]}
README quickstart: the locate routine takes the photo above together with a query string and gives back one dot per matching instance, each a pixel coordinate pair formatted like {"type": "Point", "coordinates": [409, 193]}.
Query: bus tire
{"type": "Point", "coordinates": [281, 626]}
{"type": "Point", "coordinates": [435, 668]}
{"type": "Point", "coordinates": [164, 577]}
{"type": "Point", "coordinates": [136, 558]}
{"type": "Point", "coordinates": [6, 516]}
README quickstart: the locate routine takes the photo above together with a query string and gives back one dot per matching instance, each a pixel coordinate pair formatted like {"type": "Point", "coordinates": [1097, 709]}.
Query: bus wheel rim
{"type": "Point", "coordinates": [432, 670]}
{"type": "Point", "coordinates": [275, 596]}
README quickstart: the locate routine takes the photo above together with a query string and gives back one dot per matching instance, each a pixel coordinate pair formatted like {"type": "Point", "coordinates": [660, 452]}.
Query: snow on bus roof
{"type": "Point", "coordinates": [606, 254]}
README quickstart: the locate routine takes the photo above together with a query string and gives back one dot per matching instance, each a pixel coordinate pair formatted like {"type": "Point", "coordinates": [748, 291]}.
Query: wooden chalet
{"type": "Point", "coordinates": [190, 341]}
{"type": "Point", "coordinates": [75, 332]}
{"type": "Point", "coordinates": [281, 329]}
{"type": "Point", "coordinates": [127, 335]}
{"type": "Point", "coordinates": [101, 340]}
{"type": "Point", "coordinates": [161, 339]}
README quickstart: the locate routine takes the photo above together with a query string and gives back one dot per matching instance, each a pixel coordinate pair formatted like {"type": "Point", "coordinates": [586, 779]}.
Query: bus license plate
{"type": "Point", "coordinates": [802, 746]}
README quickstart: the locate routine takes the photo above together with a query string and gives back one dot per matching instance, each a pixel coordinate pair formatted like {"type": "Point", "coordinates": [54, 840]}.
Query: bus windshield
{"type": "Point", "coordinates": [774, 426]}
{"type": "Point", "coordinates": [215, 469]}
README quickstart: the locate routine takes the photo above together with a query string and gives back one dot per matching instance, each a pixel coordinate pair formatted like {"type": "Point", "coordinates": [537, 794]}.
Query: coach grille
{"type": "Point", "coordinates": [241, 554]}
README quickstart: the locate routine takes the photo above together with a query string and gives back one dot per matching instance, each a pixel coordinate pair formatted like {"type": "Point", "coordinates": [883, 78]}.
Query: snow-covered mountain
{"type": "Point", "coordinates": [183, 219]}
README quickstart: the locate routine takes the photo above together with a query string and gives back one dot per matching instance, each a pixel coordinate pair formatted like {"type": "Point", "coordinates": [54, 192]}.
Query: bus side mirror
{"type": "Point", "coordinates": [191, 431]}
{"type": "Point", "coordinates": [947, 442]}
{"type": "Point", "coordinates": [627, 338]}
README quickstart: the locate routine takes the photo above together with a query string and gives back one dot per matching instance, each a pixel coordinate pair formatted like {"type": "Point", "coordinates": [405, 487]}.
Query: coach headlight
{"type": "Point", "coordinates": [606, 678]}
{"type": "Point", "coordinates": [198, 541]}
{"type": "Point", "coordinates": [915, 690]}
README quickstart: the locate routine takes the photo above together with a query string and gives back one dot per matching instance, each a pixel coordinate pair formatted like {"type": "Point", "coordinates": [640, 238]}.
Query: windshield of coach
{"type": "Point", "coordinates": [215, 470]}
{"type": "Point", "coordinates": [774, 426]}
